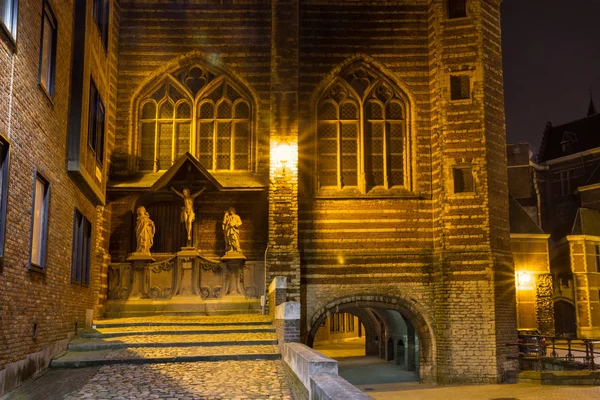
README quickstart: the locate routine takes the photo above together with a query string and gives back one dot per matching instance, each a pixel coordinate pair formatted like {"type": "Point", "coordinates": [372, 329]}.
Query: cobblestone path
{"type": "Point", "coordinates": [211, 380]}
{"type": "Point", "coordinates": [224, 357]}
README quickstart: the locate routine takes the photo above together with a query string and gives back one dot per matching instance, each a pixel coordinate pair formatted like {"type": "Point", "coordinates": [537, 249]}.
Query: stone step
{"type": "Point", "coordinates": [162, 319]}
{"type": "Point", "coordinates": [173, 330]}
{"type": "Point", "coordinates": [151, 355]}
{"type": "Point", "coordinates": [198, 324]}
{"type": "Point", "coordinates": [221, 339]}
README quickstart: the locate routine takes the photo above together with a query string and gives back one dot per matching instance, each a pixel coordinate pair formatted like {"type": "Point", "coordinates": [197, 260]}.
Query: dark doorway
{"type": "Point", "coordinates": [565, 319]}
{"type": "Point", "coordinates": [390, 349]}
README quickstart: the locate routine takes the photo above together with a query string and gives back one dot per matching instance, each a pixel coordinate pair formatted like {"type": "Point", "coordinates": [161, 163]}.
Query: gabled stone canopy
{"type": "Point", "coordinates": [187, 170]}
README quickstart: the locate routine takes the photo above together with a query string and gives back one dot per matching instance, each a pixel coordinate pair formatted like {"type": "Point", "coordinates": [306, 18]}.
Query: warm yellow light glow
{"type": "Point", "coordinates": [524, 280]}
{"type": "Point", "coordinates": [284, 156]}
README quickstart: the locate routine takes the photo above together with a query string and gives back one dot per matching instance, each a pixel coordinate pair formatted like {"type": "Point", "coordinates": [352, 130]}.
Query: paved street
{"type": "Point", "coordinates": [206, 381]}
{"type": "Point", "coordinates": [413, 391]}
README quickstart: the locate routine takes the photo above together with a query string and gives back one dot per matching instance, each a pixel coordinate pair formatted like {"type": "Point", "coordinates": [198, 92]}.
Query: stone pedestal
{"type": "Point", "coordinates": [234, 281]}
{"type": "Point", "coordinates": [139, 289]}
{"type": "Point", "coordinates": [185, 261]}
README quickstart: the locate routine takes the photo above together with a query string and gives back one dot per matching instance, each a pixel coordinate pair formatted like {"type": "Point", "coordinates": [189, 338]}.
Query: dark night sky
{"type": "Point", "coordinates": [551, 51]}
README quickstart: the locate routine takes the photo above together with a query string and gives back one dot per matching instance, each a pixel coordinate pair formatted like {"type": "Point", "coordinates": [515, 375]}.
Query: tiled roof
{"type": "Point", "coordinates": [520, 221]}
{"type": "Point", "coordinates": [577, 136]}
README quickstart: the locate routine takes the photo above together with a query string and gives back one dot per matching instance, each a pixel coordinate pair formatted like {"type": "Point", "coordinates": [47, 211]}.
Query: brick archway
{"type": "Point", "coordinates": [409, 310]}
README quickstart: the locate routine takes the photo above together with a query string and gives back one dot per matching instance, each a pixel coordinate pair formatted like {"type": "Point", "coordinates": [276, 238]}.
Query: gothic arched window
{"type": "Point", "coordinates": [361, 133]}
{"type": "Point", "coordinates": [195, 99]}
{"type": "Point", "coordinates": [223, 129]}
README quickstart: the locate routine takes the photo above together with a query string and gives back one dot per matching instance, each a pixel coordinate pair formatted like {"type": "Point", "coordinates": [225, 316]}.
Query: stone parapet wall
{"type": "Point", "coordinates": [315, 376]}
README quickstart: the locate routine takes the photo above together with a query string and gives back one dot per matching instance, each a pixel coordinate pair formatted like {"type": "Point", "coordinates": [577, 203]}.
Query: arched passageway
{"type": "Point", "coordinates": [397, 344]}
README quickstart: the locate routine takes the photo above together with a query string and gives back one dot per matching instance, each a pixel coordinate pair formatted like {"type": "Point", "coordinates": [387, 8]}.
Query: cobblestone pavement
{"type": "Point", "coordinates": [206, 381]}
{"type": "Point", "coordinates": [215, 337]}
{"type": "Point", "coordinates": [199, 318]}
{"type": "Point", "coordinates": [483, 392]}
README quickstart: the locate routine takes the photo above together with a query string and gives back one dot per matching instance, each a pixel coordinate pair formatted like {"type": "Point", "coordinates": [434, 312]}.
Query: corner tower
{"type": "Point", "coordinates": [473, 272]}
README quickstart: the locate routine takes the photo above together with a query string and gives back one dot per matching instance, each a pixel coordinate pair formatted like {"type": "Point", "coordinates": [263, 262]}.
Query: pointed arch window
{"type": "Point", "coordinates": [200, 112]}
{"type": "Point", "coordinates": [165, 120]}
{"type": "Point", "coordinates": [361, 134]}
{"type": "Point", "coordinates": [223, 136]}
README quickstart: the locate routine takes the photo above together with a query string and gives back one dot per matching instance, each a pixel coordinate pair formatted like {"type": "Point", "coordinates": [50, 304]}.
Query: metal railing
{"type": "Point", "coordinates": [580, 351]}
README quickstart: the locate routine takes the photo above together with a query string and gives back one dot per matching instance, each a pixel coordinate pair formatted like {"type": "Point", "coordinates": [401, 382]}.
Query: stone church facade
{"type": "Point", "coordinates": [361, 143]}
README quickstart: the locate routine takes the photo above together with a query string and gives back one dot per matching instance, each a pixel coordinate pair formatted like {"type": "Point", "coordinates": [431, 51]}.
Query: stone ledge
{"type": "Point", "coordinates": [305, 362]}
{"type": "Point", "coordinates": [279, 282]}
{"type": "Point", "coordinates": [288, 311]}
{"type": "Point", "coordinates": [318, 373]}
{"type": "Point", "coordinates": [334, 387]}
{"type": "Point", "coordinates": [587, 378]}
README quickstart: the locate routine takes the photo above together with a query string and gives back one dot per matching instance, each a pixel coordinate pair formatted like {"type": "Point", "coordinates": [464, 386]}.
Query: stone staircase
{"type": "Point", "coordinates": [170, 339]}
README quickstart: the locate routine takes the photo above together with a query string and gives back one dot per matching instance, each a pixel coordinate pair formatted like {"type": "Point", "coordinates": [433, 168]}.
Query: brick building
{"type": "Point", "coordinates": [568, 178]}
{"type": "Point", "coordinates": [362, 144]}
{"type": "Point", "coordinates": [559, 193]}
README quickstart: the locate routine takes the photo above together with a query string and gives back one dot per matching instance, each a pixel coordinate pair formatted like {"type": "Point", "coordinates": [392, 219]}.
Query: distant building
{"type": "Point", "coordinates": [563, 189]}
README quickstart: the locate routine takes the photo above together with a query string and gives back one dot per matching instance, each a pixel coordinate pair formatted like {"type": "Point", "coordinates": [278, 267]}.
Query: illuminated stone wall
{"type": "Point", "coordinates": [587, 284]}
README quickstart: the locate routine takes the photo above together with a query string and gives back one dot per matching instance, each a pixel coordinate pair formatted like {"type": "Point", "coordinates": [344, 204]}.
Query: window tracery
{"type": "Point", "coordinates": [361, 133]}
{"type": "Point", "coordinates": [200, 112]}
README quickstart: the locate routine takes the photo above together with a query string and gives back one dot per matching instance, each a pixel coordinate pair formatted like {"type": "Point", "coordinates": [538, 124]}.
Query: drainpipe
{"type": "Point", "coordinates": [263, 298]}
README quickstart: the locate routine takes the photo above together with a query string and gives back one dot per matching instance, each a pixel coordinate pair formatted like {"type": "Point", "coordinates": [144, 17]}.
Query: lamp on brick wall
{"type": "Point", "coordinates": [284, 155]}
{"type": "Point", "coordinates": [524, 280]}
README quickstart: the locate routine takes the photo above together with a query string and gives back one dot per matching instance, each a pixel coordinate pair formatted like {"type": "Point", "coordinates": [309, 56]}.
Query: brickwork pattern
{"type": "Point", "coordinates": [36, 127]}
{"type": "Point", "coordinates": [288, 331]}
{"type": "Point", "coordinates": [544, 304]}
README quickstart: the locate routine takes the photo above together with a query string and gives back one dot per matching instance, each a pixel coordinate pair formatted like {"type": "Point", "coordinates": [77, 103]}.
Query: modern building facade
{"type": "Point", "coordinates": [361, 144]}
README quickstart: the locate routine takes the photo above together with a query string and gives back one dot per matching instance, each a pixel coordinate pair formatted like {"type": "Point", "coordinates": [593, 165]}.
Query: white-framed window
{"type": "Point", "coordinates": [82, 242]}
{"type": "Point", "coordinates": [8, 16]}
{"type": "Point", "coordinates": [39, 222]}
{"type": "Point", "coordinates": [48, 50]}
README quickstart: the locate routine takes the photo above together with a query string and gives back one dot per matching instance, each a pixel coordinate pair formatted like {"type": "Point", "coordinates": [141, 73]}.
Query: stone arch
{"type": "Point", "coordinates": [383, 76]}
{"type": "Point", "coordinates": [410, 309]}
{"type": "Point", "coordinates": [189, 60]}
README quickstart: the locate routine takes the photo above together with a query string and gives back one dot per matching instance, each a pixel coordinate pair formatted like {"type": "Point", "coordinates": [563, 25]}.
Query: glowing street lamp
{"type": "Point", "coordinates": [524, 280]}
{"type": "Point", "coordinates": [282, 155]}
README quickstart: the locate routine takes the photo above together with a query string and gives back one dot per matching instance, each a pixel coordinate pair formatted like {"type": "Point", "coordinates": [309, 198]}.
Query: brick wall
{"type": "Point", "coordinates": [446, 254]}
{"type": "Point", "coordinates": [36, 127]}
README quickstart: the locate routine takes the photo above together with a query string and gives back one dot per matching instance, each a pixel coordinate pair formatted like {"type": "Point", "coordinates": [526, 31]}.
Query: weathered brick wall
{"type": "Point", "coordinates": [288, 331]}
{"type": "Point", "coordinates": [230, 35]}
{"type": "Point", "coordinates": [447, 252]}
{"type": "Point", "coordinates": [587, 284]}
{"type": "Point", "coordinates": [544, 307]}
{"type": "Point", "coordinates": [37, 130]}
